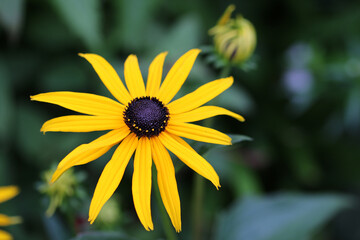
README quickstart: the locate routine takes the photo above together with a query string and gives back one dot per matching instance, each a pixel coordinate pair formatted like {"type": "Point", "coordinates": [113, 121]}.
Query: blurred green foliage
{"type": "Point", "coordinates": [279, 217]}
{"type": "Point", "coordinates": [301, 104]}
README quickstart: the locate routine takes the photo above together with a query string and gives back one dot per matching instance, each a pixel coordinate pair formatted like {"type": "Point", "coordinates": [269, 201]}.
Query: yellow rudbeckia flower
{"type": "Point", "coordinates": [7, 193]}
{"type": "Point", "coordinates": [143, 121]}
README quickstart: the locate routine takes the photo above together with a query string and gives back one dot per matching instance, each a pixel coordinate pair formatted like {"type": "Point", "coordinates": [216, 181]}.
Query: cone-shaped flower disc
{"type": "Point", "coordinates": [145, 123]}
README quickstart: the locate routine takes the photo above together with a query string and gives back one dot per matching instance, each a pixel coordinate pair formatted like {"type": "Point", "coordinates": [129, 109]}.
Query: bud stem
{"type": "Point", "coordinates": [225, 72]}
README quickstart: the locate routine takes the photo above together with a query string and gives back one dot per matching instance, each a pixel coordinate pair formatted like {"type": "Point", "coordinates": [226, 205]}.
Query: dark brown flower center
{"type": "Point", "coordinates": [146, 116]}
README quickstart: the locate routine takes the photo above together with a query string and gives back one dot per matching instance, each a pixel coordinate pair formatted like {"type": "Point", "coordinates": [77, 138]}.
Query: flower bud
{"type": "Point", "coordinates": [59, 190]}
{"type": "Point", "coordinates": [234, 38]}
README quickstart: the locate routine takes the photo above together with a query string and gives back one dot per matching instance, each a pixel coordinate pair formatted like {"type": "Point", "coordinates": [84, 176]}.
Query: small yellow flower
{"type": "Point", "coordinates": [143, 121]}
{"type": "Point", "coordinates": [7, 193]}
{"type": "Point", "coordinates": [234, 39]}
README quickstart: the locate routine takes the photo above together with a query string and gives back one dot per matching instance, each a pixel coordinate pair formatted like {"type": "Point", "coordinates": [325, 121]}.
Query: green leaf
{"type": "Point", "coordinates": [250, 64]}
{"type": "Point", "coordinates": [279, 217]}
{"type": "Point", "coordinates": [238, 138]}
{"type": "Point", "coordinates": [202, 147]}
{"type": "Point", "coordinates": [83, 18]}
{"type": "Point", "coordinates": [102, 236]}
{"type": "Point", "coordinates": [11, 13]}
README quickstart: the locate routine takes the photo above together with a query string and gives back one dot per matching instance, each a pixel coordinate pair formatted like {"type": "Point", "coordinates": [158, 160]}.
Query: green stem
{"type": "Point", "coordinates": [197, 206]}
{"type": "Point", "coordinates": [198, 193]}
{"type": "Point", "coordinates": [167, 226]}
{"type": "Point", "coordinates": [199, 182]}
{"type": "Point", "coordinates": [225, 72]}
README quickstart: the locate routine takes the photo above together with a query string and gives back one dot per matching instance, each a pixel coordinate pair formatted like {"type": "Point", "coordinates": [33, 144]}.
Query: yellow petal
{"type": "Point", "coordinates": [200, 96]}
{"type": "Point", "coordinates": [5, 236]}
{"type": "Point", "coordinates": [7, 221]}
{"type": "Point", "coordinates": [81, 159]}
{"type": "Point", "coordinates": [198, 133]}
{"type": "Point", "coordinates": [79, 123]}
{"type": "Point", "coordinates": [155, 75]}
{"type": "Point", "coordinates": [82, 102]}
{"type": "Point", "coordinates": [177, 76]}
{"type": "Point", "coordinates": [109, 77]}
{"type": "Point", "coordinates": [8, 192]}
{"type": "Point", "coordinates": [110, 138]}
{"type": "Point", "coordinates": [133, 77]}
{"type": "Point", "coordinates": [167, 182]}
{"type": "Point", "coordinates": [223, 39]}
{"type": "Point", "coordinates": [227, 15]}
{"type": "Point", "coordinates": [189, 156]}
{"type": "Point", "coordinates": [203, 113]}
{"type": "Point", "coordinates": [112, 175]}
{"type": "Point", "coordinates": [141, 183]}
{"type": "Point", "coordinates": [91, 151]}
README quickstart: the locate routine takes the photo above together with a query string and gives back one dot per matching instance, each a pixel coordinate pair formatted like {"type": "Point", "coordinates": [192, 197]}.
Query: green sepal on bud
{"type": "Point", "coordinates": [234, 38]}
{"type": "Point", "coordinates": [61, 194]}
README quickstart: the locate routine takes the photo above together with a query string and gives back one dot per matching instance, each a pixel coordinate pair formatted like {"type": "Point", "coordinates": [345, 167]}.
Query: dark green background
{"type": "Point", "coordinates": [301, 103]}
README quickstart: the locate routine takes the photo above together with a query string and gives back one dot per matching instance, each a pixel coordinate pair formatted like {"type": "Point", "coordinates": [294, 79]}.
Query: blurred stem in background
{"type": "Point", "coordinates": [198, 199]}
{"type": "Point", "coordinates": [167, 226]}
{"type": "Point", "coordinates": [199, 181]}
{"type": "Point", "coordinates": [234, 43]}
{"type": "Point", "coordinates": [225, 72]}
